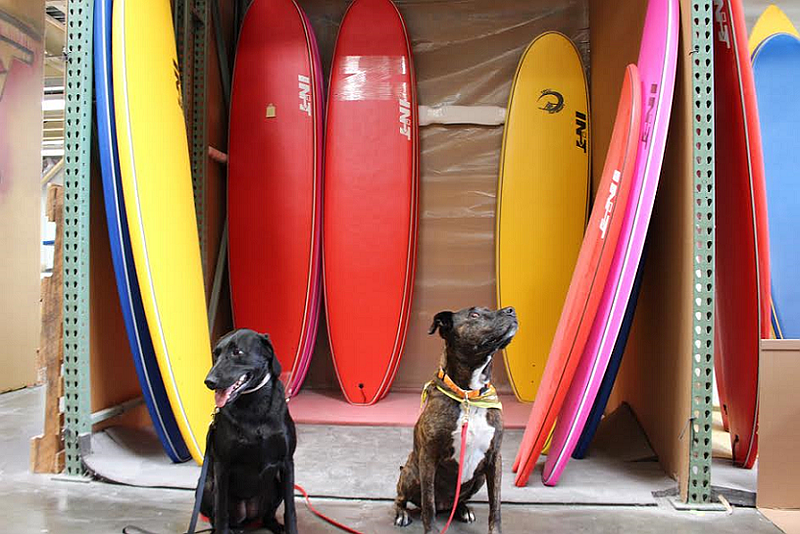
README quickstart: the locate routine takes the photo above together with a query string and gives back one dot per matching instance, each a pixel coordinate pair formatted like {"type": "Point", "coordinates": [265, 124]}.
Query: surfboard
{"type": "Point", "coordinates": [773, 20]}
{"type": "Point", "coordinates": [370, 197]}
{"type": "Point", "coordinates": [742, 303]}
{"type": "Point", "coordinates": [610, 376]}
{"type": "Point", "coordinates": [157, 188]}
{"type": "Point", "coordinates": [722, 392]}
{"type": "Point", "coordinates": [275, 182]}
{"type": "Point", "coordinates": [144, 357]}
{"type": "Point", "coordinates": [542, 197]}
{"type": "Point", "coordinates": [590, 282]}
{"type": "Point", "coordinates": [657, 63]}
{"type": "Point", "coordinates": [776, 60]}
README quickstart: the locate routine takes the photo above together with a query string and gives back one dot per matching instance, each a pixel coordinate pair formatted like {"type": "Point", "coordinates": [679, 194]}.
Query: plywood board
{"type": "Point", "coordinates": [46, 449]}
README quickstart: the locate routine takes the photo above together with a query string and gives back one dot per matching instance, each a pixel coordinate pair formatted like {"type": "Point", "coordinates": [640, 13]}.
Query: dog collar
{"type": "Point", "coordinates": [486, 397]}
{"type": "Point", "coordinates": [470, 394]}
{"type": "Point", "coordinates": [260, 385]}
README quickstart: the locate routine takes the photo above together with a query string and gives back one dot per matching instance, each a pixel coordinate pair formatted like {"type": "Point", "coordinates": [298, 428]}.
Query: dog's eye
{"type": "Point", "coordinates": [237, 352]}
{"type": "Point", "coordinates": [474, 315]}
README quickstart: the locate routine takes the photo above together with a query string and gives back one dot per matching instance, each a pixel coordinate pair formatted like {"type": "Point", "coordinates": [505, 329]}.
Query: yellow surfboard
{"type": "Point", "coordinates": [157, 186]}
{"type": "Point", "coordinates": [771, 21]}
{"type": "Point", "coordinates": [542, 199]}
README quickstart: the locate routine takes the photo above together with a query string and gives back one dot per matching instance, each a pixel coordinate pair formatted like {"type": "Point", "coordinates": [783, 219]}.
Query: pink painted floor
{"type": "Point", "coordinates": [397, 409]}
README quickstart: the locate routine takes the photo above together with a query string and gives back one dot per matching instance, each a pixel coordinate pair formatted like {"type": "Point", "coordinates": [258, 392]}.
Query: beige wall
{"type": "Point", "coordinates": [21, 23]}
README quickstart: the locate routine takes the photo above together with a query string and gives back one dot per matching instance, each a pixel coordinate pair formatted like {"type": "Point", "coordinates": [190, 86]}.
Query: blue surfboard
{"type": "Point", "coordinates": [599, 406]}
{"type": "Point", "coordinates": [776, 63]}
{"type": "Point", "coordinates": [144, 357]}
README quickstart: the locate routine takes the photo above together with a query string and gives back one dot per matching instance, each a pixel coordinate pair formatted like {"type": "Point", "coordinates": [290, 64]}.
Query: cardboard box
{"type": "Point", "coordinates": [779, 433]}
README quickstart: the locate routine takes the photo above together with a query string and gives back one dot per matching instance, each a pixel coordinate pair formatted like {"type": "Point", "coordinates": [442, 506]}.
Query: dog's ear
{"type": "Point", "coordinates": [443, 321]}
{"type": "Point", "coordinates": [274, 364]}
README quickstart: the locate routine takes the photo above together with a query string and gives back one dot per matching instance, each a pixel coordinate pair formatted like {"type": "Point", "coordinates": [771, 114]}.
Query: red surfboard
{"type": "Point", "coordinates": [721, 391]}
{"type": "Point", "coordinates": [591, 270]}
{"type": "Point", "coordinates": [371, 195]}
{"type": "Point", "coordinates": [275, 182]}
{"type": "Point", "coordinates": [742, 264]}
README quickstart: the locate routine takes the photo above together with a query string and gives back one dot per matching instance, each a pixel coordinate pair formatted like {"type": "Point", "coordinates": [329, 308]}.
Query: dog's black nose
{"type": "Point", "coordinates": [211, 382]}
{"type": "Point", "coordinates": [509, 310]}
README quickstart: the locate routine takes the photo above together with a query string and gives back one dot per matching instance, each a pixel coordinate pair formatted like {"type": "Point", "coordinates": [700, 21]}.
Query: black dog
{"type": "Point", "coordinates": [251, 443]}
{"type": "Point", "coordinates": [428, 479]}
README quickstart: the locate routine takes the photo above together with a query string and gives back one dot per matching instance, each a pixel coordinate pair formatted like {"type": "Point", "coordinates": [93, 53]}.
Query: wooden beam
{"type": "Point", "coordinates": [47, 454]}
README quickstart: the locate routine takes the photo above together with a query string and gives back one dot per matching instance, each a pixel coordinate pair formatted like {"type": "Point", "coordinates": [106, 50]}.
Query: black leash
{"type": "Point", "coordinates": [198, 496]}
{"type": "Point", "coordinates": [201, 485]}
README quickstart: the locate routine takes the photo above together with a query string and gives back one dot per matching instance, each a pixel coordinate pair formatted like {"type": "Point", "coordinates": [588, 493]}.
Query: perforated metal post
{"type": "Point", "coordinates": [703, 319]}
{"type": "Point", "coordinates": [77, 148]}
{"type": "Point", "coordinates": [178, 15]}
{"type": "Point", "coordinates": [199, 145]}
{"type": "Point", "coordinates": [191, 35]}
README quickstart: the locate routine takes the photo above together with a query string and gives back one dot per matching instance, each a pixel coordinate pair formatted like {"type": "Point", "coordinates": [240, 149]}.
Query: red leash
{"type": "Point", "coordinates": [461, 455]}
{"type": "Point", "coordinates": [460, 467]}
{"type": "Point", "coordinates": [323, 516]}
{"type": "Point", "coordinates": [455, 501]}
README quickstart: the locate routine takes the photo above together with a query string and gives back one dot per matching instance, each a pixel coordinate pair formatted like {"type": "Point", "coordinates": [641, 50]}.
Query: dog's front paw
{"type": "Point", "coordinates": [464, 514]}
{"type": "Point", "coordinates": [402, 518]}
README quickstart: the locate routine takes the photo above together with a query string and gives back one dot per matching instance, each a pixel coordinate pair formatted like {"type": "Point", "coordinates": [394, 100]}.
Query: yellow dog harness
{"type": "Point", "coordinates": [486, 397]}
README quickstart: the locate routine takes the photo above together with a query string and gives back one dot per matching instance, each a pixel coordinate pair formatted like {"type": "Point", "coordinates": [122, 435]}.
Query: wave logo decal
{"type": "Point", "coordinates": [553, 101]}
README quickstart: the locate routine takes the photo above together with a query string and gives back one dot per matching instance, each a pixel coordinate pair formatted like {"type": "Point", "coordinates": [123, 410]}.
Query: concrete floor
{"type": "Point", "coordinates": [39, 504]}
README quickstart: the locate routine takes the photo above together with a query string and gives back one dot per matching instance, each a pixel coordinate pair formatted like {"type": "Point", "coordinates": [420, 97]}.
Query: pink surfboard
{"type": "Point", "coordinates": [275, 182]}
{"type": "Point", "coordinates": [657, 64]}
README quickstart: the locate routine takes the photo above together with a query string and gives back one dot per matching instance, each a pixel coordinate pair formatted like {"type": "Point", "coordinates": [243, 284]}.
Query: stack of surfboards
{"type": "Point", "coordinates": [276, 195]}
{"type": "Point", "coordinates": [275, 198]}
{"type": "Point", "coordinates": [595, 304]}
{"type": "Point", "coordinates": [369, 221]}
{"type": "Point", "coordinates": [150, 210]}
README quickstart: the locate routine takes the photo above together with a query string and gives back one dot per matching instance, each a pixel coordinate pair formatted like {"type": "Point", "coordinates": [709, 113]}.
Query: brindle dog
{"type": "Point", "coordinates": [472, 336]}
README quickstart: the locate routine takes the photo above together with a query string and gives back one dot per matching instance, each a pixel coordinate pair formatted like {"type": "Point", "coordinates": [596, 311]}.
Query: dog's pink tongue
{"type": "Point", "coordinates": [221, 396]}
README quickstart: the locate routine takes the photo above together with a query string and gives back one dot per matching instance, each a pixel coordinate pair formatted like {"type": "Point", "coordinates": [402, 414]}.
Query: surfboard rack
{"type": "Point", "coordinates": [699, 487]}
{"type": "Point", "coordinates": [191, 20]}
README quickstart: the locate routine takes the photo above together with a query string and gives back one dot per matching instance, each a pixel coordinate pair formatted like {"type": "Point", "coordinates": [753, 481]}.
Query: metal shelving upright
{"type": "Point", "coordinates": [699, 490]}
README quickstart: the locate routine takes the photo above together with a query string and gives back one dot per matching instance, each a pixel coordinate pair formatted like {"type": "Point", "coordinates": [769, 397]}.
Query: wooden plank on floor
{"type": "Point", "coordinates": [47, 450]}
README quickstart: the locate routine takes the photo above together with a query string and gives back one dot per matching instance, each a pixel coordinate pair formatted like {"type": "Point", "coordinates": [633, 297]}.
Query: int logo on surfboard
{"type": "Point", "coordinates": [647, 126]}
{"type": "Point", "coordinates": [721, 17]}
{"type": "Point", "coordinates": [609, 207]}
{"type": "Point", "coordinates": [304, 84]}
{"type": "Point", "coordinates": [405, 117]}
{"type": "Point", "coordinates": [580, 130]}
